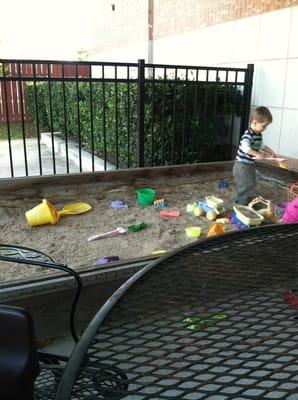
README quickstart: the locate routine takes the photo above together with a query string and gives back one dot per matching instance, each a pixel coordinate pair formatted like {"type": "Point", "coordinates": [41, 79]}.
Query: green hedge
{"type": "Point", "coordinates": [184, 122]}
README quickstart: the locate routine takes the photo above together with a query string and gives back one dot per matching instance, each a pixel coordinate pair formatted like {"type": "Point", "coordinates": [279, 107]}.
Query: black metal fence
{"type": "Point", "coordinates": [63, 117]}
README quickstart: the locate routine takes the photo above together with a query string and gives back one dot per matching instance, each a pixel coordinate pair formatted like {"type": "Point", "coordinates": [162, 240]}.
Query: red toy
{"type": "Point", "coordinates": [170, 213]}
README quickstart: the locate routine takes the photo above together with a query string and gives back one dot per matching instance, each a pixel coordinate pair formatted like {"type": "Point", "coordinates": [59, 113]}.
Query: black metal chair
{"type": "Point", "coordinates": [207, 321]}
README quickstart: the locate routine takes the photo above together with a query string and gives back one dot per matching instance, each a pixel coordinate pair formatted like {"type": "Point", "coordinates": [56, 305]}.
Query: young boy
{"type": "Point", "coordinates": [248, 151]}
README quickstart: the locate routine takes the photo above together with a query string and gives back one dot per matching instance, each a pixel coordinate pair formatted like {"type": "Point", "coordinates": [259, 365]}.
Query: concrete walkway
{"type": "Point", "coordinates": [47, 163]}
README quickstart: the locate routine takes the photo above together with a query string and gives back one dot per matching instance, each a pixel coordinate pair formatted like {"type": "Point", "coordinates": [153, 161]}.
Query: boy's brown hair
{"type": "Point", "coordinates": [261, 114]}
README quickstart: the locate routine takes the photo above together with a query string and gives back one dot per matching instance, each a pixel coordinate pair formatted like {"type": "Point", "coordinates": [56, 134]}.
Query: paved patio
{"type": "Point", "coordinates": [47, 167]}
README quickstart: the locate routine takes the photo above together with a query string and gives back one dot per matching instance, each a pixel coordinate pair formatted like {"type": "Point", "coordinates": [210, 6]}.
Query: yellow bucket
{"type": "Point", "coordinates": [44, 213]}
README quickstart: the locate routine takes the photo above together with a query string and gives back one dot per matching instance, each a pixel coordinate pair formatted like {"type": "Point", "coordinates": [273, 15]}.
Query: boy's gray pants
{"type": "Point", "coordinates": [245, 182]}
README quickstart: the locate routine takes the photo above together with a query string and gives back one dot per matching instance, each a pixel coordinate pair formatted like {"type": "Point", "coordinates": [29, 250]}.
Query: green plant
{"type": "Point", "coordinates": [184, 122]}
{"type": "Point", "coordinates": [16, 130]}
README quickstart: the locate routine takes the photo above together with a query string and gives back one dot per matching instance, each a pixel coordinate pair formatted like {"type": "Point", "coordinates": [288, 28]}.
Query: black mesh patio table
{"type": "Point", "coordinates": [207, 321]}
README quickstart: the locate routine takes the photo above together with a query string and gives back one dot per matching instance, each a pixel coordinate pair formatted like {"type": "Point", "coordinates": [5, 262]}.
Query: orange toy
{"type": "Point", "coordinates": [215, 229]}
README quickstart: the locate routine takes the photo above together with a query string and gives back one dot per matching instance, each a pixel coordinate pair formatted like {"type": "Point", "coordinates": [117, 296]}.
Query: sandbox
{"type": "Point", "coordinates": [67, 241]}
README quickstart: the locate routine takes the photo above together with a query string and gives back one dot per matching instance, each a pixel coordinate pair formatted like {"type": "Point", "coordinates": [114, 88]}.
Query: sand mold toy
{"type": "Point", "coordinates": [235, 221]}
{"type": "Point", "coordinates": [270, 212]}
{"type": "Point", "coordinates": [107, 259]}
{"type": "Point", "coordinates": [160, 203]}
{"type": "Point", "coordinates": [193, 231]}
{"type": "Point", "coordinates": [118, 204]}
{"type": "Point", "coordinates": [215, 229]}
{"type": "Point", "coordinates": [46, 213]}
{"type": "Point", "coordinates": [248, 216]}
{"type": "Point", "coordinates": [223, 184]}
{"type": "Point", "coordinates": [170, 213]}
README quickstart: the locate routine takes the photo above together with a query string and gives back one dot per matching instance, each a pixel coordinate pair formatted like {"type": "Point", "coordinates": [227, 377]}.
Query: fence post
{"type": "Point", "coordinates": [141, 112]}
{"type": "Point", "coordinates": [247, 97]}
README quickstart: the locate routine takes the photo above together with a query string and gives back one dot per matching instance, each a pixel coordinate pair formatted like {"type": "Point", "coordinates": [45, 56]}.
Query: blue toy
{"type": "Point", "coordinates": [204, 207]}
{"type": "Point", "coordinates": [235, 221]}
{"type": "Point", "coordinates": [161, 205]}
{"type": "Point", "coordinates": [118, 204]}
{"type": "Point", "coordinates": [223, 185]}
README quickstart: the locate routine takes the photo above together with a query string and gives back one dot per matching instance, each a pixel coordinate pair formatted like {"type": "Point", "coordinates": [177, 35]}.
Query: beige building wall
{"type": "Point", "coordinates": [218, 32]}
{"type": "Point", "coordinates": [119, 30]}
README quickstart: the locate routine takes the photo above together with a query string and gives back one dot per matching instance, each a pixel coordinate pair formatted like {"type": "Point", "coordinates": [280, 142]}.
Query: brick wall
{"type": "Point", "coordinates": [176, 16]}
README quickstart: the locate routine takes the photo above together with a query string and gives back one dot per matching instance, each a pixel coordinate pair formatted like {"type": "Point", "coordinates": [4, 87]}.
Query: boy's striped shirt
{"type": "Point", "coordinates": [249, 140]}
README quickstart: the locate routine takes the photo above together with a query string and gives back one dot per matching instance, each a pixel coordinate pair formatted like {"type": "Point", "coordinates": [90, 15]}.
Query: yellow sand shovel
{"type": "Point", "coordinates": [75, 208]}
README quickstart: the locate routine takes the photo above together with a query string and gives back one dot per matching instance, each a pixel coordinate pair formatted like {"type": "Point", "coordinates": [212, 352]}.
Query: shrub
{"type": "Point", "coordinates": [185, 122]}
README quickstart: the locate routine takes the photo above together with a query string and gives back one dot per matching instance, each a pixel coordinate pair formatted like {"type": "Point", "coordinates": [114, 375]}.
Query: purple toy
{"type": "Point", "coordinates": [118, 204]}
{"type": "Point", "coordinates": [235, 221]}
{"type": "Point", "coordinates": [107, 259]}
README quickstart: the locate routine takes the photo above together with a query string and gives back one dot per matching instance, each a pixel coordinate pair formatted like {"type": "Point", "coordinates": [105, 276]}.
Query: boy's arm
{"type": "Point", "coordinates": [268, 150]}
{"type": "Point", "coordinates": [256, 154]}
{"type": "Point", "coordinates": [246, 148]}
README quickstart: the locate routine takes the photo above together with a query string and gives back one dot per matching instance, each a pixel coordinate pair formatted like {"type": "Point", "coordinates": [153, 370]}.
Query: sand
{"type": "Point", "coordinates": [67, 242]}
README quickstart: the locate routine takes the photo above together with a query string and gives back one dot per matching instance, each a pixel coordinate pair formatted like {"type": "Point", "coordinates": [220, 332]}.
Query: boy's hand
{"type": "Point", "coordinates": [273, 154]}
{"type": "Point", "coordinates": [259, 156]}
{"type": "Point", "coordinates": [270, 152]}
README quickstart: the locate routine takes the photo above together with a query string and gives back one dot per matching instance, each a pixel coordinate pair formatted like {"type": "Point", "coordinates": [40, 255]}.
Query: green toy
{"type": "Point", "coordinates": [137, 227]}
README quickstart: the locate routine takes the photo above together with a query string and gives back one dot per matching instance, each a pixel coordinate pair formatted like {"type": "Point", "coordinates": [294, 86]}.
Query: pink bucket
{"type": "Point", "coordinates": [291, 213]}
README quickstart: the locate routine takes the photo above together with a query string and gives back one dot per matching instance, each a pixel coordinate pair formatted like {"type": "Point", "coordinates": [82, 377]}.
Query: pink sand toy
{"type": "Point", "coordinates": [115, 232]}
{"type": "Point", "coordinates": [291, 213]}
{"type": "Point", "coordinates": [170, 213]}
{"type": "Point", "coordinates": [278, 159]}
